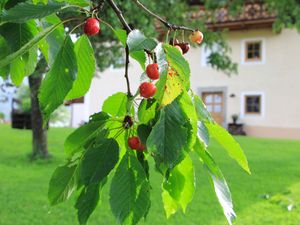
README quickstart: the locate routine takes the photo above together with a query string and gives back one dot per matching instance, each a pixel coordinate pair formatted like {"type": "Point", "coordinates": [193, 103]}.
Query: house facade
{"type": "Point", "coordinates": [264, 95]}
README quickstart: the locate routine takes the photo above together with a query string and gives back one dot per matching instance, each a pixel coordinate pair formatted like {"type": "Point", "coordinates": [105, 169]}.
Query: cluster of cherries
{"type": "Point", "coordinates": [146, 89]}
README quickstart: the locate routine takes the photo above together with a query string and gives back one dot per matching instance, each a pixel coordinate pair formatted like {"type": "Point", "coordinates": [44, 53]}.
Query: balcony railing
{"type": "Point", "coordinates": [253, 15]}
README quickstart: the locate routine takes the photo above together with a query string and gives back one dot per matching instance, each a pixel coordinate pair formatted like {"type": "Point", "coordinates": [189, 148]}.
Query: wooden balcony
{"type": "Point", "coordinates": [252, 16]}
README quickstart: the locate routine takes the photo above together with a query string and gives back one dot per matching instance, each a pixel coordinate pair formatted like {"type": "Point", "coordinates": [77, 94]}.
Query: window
{"type": "Point", "coordinates": [253, 104]}
{"type": "Point", "coordinates": [253, 51]}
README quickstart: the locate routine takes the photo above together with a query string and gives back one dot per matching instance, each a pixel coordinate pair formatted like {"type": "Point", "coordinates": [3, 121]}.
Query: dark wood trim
{"type": "Point", "coordinates": [242, 25]}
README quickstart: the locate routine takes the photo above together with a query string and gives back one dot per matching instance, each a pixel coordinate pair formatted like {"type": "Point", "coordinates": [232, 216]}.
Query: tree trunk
{"type": "Point", "coordinates": [39, 133]}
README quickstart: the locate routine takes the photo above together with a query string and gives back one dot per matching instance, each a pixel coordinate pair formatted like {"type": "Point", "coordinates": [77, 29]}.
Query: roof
{"type": "Point", "coordinates": [252, 16]}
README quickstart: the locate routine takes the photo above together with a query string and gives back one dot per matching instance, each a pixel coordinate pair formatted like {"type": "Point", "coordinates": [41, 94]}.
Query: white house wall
{"type": "Point", "coordinates": [277, 79]}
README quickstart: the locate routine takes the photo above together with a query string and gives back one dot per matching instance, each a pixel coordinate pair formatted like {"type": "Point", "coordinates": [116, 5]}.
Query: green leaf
{"type": "Point", "coordinates": [7, 60]}
{"type": "Point", "coordinates": [203, 133]}
{"type": "Point", "coordinates": [44, 48]}
{"type": "Point", "coordinates": [63, 183]}
{"type": "Point", "coordinates": [203, 114]}
{"type": "Point", "coordinates": [130, 191]}
{"type": "Point", "coordinates": [229, 144]}
{"type": "Point", "coordinates": [218, 180]}
{"type": "Point", "coordinates": [168, 140]}
{"type": "Point", "coordinates": [16, 36]}
{"type": "Point", "coordinates": [121, 35]}
{"type": "Point", "coordinates": [86, 64]}
{"type": "Point", "coordinates": [23, 66]}
{"type": "Point", "coordinates": [17, 68]}
{"type": "Point", "coordinates": [144, 132]}
{"type": "Point", "coordinates": [77, 140]}
{"type": "Point", "coordinates": [2, 4]}
{"type": "Point", "coordinates": [4, 51]}
{"type": "Point", "coordinates": [99, 160]}
{"type": "Point", "coordinates": [179, 188]}
{"type": "Point", "coordinates": [25, 11]}
{"type": "Point", "coordinates": [87, 201]}
{"type": "Point", "coordinates": [116, 104]}
{"type": "Point", "coordinates": [178, 63]}
{"type": "Point", "coordinates": [140, 57]}
{"type": "Point", "coordinates": [59, 80]}
{"type": "Point", "coordinates": [187, 106]}
{"type": "Point", "coordinates": [39, 1]}
{"type": "Point", "coordinates": [170, 85]}
{"type": "Point", "coordinates": [31, 60]}
{"type": "Point", "coordinates": [144, 162]}
{"type": "Point", "coordinates": [137, 41]}
{"type": "Point", "coordinates": [55, 39]}
{"type": "Point", "coordinates": [82, 3]}
{"type": "Point", "coordinates": [146, 111]}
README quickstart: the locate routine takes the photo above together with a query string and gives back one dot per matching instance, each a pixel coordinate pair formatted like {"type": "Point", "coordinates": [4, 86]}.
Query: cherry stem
{"type": "Point", "coordinates": [166, 23]}
{"type": "Point", "coordinates": [115, 128]}
{"type": "Point", "coordinates": [167, 36]}
{"type": "Point", "coordinates": [106, 23]}
{"type": "Point", "coordinates": [119, 132]}
{"type": "Point", "coordinates": [76, 28]}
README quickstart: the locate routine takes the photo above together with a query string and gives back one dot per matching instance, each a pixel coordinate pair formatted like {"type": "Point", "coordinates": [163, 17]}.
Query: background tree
{"type": "Point", "coordinates": [39, 132]}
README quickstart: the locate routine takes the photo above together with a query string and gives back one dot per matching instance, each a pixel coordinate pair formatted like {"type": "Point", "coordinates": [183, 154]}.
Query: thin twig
{"type": "Point", "coordinates": [166, 23]}
{"type": "Point", "coordinates": [128, 29]}
{"type": "Point", "coordinates": [119, 15]}
{"type": "Point", "coordinates": [126, 71]}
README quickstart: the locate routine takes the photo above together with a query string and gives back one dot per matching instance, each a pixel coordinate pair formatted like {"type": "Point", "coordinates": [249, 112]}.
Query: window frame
{"type": "Point", "coordinates": [245, 105]}
{"type": "Point", "coordinates": [244, 51]}
{"type": "Point", "coordinates": [243, 111]}
{"type": "Point", "coordinates": [247, 59]}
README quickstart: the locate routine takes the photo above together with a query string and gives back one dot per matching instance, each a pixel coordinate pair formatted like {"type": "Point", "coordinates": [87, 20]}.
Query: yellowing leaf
{"type": "Point", "coordinates": [169, 88]}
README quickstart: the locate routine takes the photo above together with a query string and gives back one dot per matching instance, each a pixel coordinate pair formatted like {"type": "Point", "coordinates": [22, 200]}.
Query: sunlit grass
{"type": "Point", "coordinates": [260, 199]}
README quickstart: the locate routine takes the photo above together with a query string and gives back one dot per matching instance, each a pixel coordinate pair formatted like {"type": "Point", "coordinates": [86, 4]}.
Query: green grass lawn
{"type": "Point", "coordinates": [275, 166]}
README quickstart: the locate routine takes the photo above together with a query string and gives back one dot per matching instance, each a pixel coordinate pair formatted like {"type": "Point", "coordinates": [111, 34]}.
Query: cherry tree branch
{"type": "Point", "coordinates": [126, 26]}
{"type": "Point", "coordinates": [126, 71]}
{"type": "Point", "coordinates": [119, 14]}
{"type": "Point", "coordinates": [166, 23]}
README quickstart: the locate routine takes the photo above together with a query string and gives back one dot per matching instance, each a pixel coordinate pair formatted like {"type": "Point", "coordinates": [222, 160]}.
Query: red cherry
{"type": "Point", "coordinates": [185, 47]}
{"type": "Point", "coordinates": [152, 71]}
{"type": "Point", "coordinates": [134, 142]}
{"type": "Point", "coordinates": [91, 27]}
{"type": "Point", "coordinates": [147, 90]}
{"type": "Point", "coordinates": [173, 41]}
{"type": "Point", "coordinates": [142, 147]}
